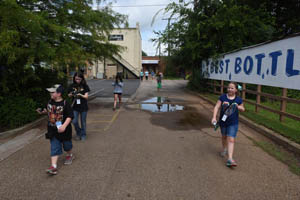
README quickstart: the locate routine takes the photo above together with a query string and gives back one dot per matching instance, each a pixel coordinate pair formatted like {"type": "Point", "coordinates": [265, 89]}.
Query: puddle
{"type": "Point", "coordinates": [160, 104]}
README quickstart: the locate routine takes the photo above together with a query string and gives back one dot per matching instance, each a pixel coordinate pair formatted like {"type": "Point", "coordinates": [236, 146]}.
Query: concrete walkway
{"type": "Point", "coordinates": [135, 154]}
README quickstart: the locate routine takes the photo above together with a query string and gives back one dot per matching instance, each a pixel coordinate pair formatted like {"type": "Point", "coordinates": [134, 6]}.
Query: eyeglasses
{"type": "Point", "coordinates": [78, 79]}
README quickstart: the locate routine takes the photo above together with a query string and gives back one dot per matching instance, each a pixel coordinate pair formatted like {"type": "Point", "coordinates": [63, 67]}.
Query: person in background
{"type": "Point", "coordinates": [118, 90]}
{"type": "Point", "coordinates": [59, 129]}
{"type": "Point", "coordinates": [146, 74]}
{"type": "Point", "coordinates": [141, 75]}
{"type": "Point", "coordinates": [158, 79]}
{"type": "Point", "coordinates": [79, 90]}
{"type": "Point", "coordinates": [152, 74]}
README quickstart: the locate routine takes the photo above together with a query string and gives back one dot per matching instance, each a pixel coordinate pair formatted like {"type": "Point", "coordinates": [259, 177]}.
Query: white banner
{"type": "Point", "coordinates": [274, 64]}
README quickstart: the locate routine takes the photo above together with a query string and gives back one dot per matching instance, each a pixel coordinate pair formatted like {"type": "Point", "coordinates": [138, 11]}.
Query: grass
{"type": "Point", "coordinates": [289, 128]}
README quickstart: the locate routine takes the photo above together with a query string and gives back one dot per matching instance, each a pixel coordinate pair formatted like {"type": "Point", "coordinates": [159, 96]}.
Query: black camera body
{"type": "Point", "coordinates": [75, 93]}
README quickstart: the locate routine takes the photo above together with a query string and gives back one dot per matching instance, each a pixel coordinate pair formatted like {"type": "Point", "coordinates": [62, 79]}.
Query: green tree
{"type": "Point", "coordinates": [41, 32]}
{"type": "Point", "coordinates": [208, 28]}
{"type": "Point", "coordinates": [144, 53]}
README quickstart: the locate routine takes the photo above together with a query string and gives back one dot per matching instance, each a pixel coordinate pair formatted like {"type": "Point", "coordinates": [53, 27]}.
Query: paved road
{"type": "Point", "coordinates": [135, 154]}
{"type": "Point", "coordinates": [105, 87]}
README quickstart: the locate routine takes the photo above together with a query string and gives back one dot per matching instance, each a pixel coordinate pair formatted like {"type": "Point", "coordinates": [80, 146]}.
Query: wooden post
{"type": "Point", "coordinates": [258, 98]}
{"type": "Point", "coordinates": [222, 87]}
{"type": "Point", "coordinates": [215, 89]}
{"type": "Point", "coordinates": [283, 104]}
{"type": "Point", "coordinates": [244, 92]}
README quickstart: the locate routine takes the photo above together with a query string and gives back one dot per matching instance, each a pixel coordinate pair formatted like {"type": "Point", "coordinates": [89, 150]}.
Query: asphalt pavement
{"type": "Point", "coordinates": [133, 153]}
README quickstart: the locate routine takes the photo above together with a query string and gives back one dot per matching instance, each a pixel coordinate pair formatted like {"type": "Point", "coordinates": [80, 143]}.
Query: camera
{"type": "Point", "coordinates": [74, 93]}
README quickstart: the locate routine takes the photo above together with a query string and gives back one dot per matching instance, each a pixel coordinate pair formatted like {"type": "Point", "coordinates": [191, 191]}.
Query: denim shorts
{"type": "Point", "coordinates": [56, 146]}
{"type": "Point", "coordinates": [230, 131]}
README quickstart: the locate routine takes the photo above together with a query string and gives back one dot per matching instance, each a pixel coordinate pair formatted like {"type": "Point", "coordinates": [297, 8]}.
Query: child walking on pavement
{"type": "Point", "coordinates": [118, 90]}
{"type": "Point", "coordinates": [78, 90]}
{"type": "Point", "coordinates": [230, 105]}
{"type": "Point", "coordinates": [59, 127]}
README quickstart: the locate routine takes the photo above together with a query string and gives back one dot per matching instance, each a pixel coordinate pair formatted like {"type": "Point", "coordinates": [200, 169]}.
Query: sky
{"type": "Point", "coordinates": [141, 11]}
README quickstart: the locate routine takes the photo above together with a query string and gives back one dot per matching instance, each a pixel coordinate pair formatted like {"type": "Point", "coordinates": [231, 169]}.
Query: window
{"type": "Point", "coordinates": [116, 37]}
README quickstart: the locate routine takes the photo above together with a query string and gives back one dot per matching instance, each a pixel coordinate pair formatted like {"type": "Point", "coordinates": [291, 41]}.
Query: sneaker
{"type": "Point", "coordinates": [51, 170]}
{"type": "Point", "coordinates": [77, 138]}
{"type": "Point", "coordinates": [83, 138]}
{"type": "Point", "coordinates": [223, 153]}
{"type": "Point", "coordinates": [231, 163]}
{"type": "Point", "coordinates": [69, 159]}
{"type": "Point", "coordinates": [114, 109]}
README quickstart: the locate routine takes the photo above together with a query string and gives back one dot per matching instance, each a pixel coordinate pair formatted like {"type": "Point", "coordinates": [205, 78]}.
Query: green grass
{"type": "Point", "coordinates": [289, 128]}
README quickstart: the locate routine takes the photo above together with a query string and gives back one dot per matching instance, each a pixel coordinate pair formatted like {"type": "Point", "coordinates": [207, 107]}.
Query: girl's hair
{"type": "Point", "coordinates": [80, 75]}
{"type": "Point", "coordinates": [236, 87]}
{"type": "Point", "coordinates": [119, 78]}
{"type": "Point", "coordinates": [234, 83]}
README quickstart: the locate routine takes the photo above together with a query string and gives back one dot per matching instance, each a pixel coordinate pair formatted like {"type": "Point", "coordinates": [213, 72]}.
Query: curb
{"type": "Point", "coordinates": [133, 96]}
{"type": "Point", "coordinates": [26, 127]}
{"type": "Point", "coordinates": [275, 137]}
{"type": "Point", "coordinates": [16, 131]}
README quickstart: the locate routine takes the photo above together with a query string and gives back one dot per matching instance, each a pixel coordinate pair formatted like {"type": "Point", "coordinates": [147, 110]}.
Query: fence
{"type": "Point", "coordinates": [283, 99]}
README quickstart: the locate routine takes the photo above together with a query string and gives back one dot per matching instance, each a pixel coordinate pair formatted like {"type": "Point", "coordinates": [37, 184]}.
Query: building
{"type": "Point", "coordinates": [130, 61]}
{"type": "Point", "coordinates": [153, 63]}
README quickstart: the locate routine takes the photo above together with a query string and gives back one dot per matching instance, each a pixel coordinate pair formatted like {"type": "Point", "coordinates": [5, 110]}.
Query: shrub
{"type": "Point", "coordinates": [16, 112]}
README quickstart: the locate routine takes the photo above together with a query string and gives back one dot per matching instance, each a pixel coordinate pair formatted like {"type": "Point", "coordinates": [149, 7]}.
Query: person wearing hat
{"type": "Point", "coordinates": [60, 115]}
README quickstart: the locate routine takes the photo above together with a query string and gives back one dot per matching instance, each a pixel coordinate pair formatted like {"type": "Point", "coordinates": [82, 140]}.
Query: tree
{"type": "Point", "coordinates": [55, 33]}
{"type": "Point", "coordinates": [205, 29]}
{"type": "Point", "coordinates": [144, 53]}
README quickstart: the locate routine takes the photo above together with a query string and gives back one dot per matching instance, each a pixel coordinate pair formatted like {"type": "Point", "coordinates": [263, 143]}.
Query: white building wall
{"type": "Point", "coordinates": [132, 53]}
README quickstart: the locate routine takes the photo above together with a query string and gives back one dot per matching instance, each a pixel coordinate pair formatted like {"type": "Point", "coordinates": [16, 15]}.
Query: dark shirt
{"type": "Point", "coordinates": [234, 117]}
{"type": "Point", "coordinates": [82, 89]}
{"type": "Point", "coordinates": [59, 111]}
{"type": "Point", "coordinates": [158, 78]}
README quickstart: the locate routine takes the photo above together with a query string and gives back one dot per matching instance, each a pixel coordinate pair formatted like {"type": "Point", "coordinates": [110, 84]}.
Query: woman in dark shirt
{"type": "Point", "coordinates": [78, 90]}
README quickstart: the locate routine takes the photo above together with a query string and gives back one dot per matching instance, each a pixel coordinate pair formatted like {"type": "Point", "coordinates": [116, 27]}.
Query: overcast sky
{"type": "Point", "coordinates": [141, 11]}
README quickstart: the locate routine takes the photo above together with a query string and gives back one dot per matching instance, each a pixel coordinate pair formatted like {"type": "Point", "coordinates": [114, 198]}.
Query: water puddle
{"type": "Point", "coordinates": [160, 104]}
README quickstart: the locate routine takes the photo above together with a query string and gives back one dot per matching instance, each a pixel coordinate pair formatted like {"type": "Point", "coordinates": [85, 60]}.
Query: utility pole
{"type": "Point", "coordinates": [168, 27]}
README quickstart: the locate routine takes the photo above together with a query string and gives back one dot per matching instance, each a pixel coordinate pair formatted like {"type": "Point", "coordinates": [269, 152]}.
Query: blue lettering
{"type": "Point", "coordinates": [259, 58]}
{"type": "Point", "coordinates": [221, 66]}
{"type": "Point", "coordinates": [249, 60]}
{"type": "Point", "coordinates": [289, 71]}
{"type": "Point", "coordinates": [211, 67]}
{"type": "Point", "coordinates": [215, 64]}
{"type": "Point", "coordinates": [227, 61]}
{"type": "Point", "coordinates": [274, 56]}
{"type": "Point", "coordinates": [237, 67]}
